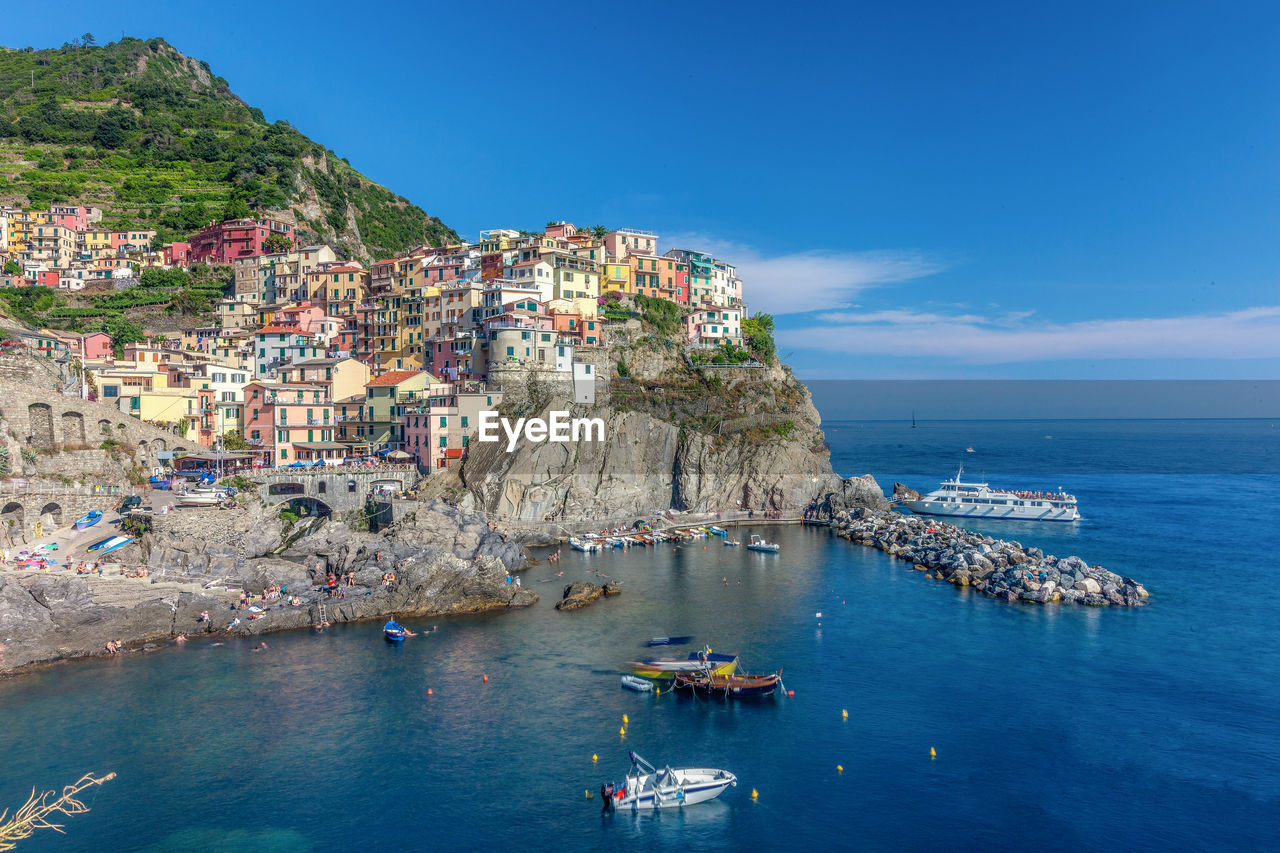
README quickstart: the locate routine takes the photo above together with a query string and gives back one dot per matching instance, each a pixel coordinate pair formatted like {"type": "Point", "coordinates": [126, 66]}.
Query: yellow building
{"type": "Point", "coordinates": [616, 278]}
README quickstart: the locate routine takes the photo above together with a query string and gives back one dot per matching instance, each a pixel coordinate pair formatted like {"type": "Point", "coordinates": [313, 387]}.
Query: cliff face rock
{"type": "Point", "coordinates": [686, 443]}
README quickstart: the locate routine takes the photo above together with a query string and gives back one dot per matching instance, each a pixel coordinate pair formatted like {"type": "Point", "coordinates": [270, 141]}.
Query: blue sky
{"type": "Point", "coordinates": [915, 190]}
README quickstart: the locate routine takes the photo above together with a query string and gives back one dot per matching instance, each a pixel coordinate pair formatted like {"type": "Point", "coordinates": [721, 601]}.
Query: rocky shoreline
{"type": "Point", "coordinates": [441, 561]}
{"type": "Point", "coordinates": [995, 567]}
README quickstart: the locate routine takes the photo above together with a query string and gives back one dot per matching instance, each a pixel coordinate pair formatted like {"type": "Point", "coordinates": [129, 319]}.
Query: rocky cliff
{"type": "Point", "coordinates": [676, 437]}
{"type": "Point", "coordinates": [438, 560]}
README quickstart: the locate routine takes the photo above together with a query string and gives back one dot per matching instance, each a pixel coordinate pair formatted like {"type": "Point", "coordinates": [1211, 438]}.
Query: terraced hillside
{"type": "Point", "coordinates": [156, 140]}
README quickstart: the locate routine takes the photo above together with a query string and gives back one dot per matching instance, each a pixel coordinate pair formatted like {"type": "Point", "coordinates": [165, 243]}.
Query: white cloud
{"type": "Point", "coordinates": [1008, 338]}
{"type": "Point", "coordinates": [807, 281]}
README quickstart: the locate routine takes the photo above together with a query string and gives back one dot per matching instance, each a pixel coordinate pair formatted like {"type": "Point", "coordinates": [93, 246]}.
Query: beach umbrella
{"type": "Point", "coordinates": [399, 454]}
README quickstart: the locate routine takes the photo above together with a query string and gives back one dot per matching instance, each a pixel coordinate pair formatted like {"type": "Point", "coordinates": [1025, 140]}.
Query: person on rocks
{"type": "Point", "coordinates": [112, 647]}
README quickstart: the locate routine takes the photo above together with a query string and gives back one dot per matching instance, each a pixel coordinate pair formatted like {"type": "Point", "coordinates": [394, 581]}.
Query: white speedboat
{"type": "Point", "coordinates": [758, 543]}
{"type": "Point", "coordinates": [646, 787]}
{"type": "Point", "coordinates": [202, 497]}
{"type": "Point", "coordinates": [586, 545]}
{"type": "Point", "coordinates": [978, 500]}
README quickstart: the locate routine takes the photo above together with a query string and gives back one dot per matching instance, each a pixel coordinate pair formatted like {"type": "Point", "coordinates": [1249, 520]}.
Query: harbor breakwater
{"type": "Point", "coordinates": [996, 567]}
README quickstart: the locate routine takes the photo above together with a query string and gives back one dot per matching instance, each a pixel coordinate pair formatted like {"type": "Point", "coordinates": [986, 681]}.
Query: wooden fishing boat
{"type": "Point", "coordinates": [731, 685]}
{"type": "Point", "coordinates": [395, 632]}
{"type": "Point", "coordinates": [89, 519]}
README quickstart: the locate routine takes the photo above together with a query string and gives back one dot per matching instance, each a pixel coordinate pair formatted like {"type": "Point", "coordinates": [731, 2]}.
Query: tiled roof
{"type": "Point", "coordinates": [392, 377]}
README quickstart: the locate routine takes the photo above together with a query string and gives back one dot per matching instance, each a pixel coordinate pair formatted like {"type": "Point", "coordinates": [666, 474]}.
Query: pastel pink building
{"type": "Point", "coordinates": [225, 242]}
{"type": "Point", "coordinates": [97, 345]}
{"type": "Point", "coordinates": [177, 254]}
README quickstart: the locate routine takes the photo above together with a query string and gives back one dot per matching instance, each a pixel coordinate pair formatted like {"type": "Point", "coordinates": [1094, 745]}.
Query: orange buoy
{"type": "Point", "coordinates": [429, 691]}
{"type": "Point", "coordinates": [791, 693]}
{"type": "Point", "coordinates": [486, 679]}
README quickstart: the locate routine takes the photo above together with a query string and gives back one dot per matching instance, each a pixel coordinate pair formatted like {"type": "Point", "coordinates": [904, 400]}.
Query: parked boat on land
{"type": "Point", "coordinates": [89, 519]}
{"type": "Point", "coordinates": [978, 500]}
{"type": "Point", "coordinates": [718, 531]}
{"type": "Point", "coordinates": [758, 543]}
{"type": "Point", "coordinates": [162, 483]}
{"type": "Point", "coordinates": [646, 787]}
{"type": "Point", "coordinates": [111, 543]}
{"type": "Point", "coordinates": [733, 685]}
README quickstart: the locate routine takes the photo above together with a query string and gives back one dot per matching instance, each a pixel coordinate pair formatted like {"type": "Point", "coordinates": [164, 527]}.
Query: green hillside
{"type": "Point", "coordinates": [156, 140]}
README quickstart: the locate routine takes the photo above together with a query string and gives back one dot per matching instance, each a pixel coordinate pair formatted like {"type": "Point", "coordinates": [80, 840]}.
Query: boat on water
{"type": "Point", "coordinates": [758, 543]}
{"type": "Point", "coordinates": [731, 543]}
{"type": "Point", "coordinates": [89, 519]}
{"type": "Point", "coordinates": [664, 669]}
{"type": "Point", "coordinates": [111, 543]}
{"type": "Point", "coordinates": [646, 787]}
{"type": "Point", "coordinates": [956, 497]}
{"type": "Point", "coordinates": [668, 641]}
{"type": "Point", "coordinates": [638, 684]}
{"type": "Point", "coordinates": [732, 685]}
{"type": "Point", "coordinates": [395, 632]}
{"type": "Point", "coordinates": [586, 545]}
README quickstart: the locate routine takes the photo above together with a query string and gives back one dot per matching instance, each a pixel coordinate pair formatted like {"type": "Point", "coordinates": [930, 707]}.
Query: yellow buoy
{"type": "Point", "coordinates": [623, 731]}
{"type": "Point", "coordinates": [657, 690]}
{"type": "Point", "coordinates": [586, 793]}
{"type": "Point", "coordinates": [754, 793]}
{"type": "Point", "coordinates": [839, 768]}
{"type": "Point", "coordinates": [933, 753]}
{"type": "Point", "coordinates": [625, 720]}
{"type": "Point", "coordinates": [594, 758]}
{"type": "Point", "coordinates": [845, 714]}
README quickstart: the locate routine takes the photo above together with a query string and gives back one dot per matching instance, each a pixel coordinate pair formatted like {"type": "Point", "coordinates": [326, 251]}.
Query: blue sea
{"type": "Point", "coordinates": [1057, 728]}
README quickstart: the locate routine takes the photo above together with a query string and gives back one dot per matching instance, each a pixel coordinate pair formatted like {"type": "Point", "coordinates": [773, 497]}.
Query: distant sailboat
{"type": "Point", "coordinates": [913, 419]}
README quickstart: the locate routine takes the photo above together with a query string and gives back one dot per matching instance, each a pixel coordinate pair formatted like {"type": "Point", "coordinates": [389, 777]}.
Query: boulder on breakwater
{"type": "Point", "coordinates": [996, 567]}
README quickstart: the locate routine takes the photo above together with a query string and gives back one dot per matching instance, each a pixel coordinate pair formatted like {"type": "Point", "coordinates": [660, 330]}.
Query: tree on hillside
{"type": "Point", "coordinates": [599, 231]}
{"type": "Point", "coordinates": [12, 268]}
{"type": "Point", "coordinates": [236, 209]}
{"type": "Point", "coordinates": [108, 133]}
{"type": "Point", "coordinates": [88, 40]}
{"type": "Point", "coordinates": [758, 331]}
{"type": "Point", "coordinates": [277, 243]}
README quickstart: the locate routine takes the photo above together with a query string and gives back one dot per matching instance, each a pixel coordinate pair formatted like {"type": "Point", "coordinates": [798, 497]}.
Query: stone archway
{"type": "Point", "coordinates": [309, 507]}
{"type": "Point", "coordinates": [13, 519]}
{"type": "Point", "coordinates": [104, 426]}
{"type": "Point", "coordinates": [159, 445]}
{"type": "Point", "coordinates": [40, 417]}
{"type": "Point", "coordinates": [51, 515]}
{"type": "Point", "coordinates": [73, 428]}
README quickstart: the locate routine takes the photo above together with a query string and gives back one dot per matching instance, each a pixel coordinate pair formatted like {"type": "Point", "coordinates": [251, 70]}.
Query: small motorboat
{"type": "Point", "coordinates": [718, 531]}
{"type": "Point", "coordinates": [733, 685]}
{"type": "Point", "coordinates": [89, 519]}
{"type": "Point", "coordinates": [646, 787]}
{"type": "Point", "coordinates": [668, 641]}
{"type": "Point", "coordinates": [395, 632]}
{"type": "Point", "coordinates": [205, 497]}
{"type": "Point", "coordinates": [664, 669]}
{"type": "Point", "coordinates": [759, 544]}
{"type": "Point", "coordinates": [638, 684]}
{"type": "Point", "coordinates": [731, 543]}
{"type": "Point", "coordinates": [163, 483]}
{"type": "Point", "coordinates": [586, 545]}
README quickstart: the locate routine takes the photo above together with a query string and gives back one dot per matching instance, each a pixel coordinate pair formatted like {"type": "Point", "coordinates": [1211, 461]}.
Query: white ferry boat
{"type": "Point", "coordinates": [978, 500]}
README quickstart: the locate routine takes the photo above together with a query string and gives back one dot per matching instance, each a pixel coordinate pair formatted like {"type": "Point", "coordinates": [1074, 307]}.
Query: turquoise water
{"type": "Point", "coordinates": [1055, 727]}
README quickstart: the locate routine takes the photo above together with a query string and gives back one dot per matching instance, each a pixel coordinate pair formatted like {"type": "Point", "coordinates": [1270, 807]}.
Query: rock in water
{"type": "Point", "coordinates": [903, 492]}
{"type": "Point", "coordinates": [579, 594]}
